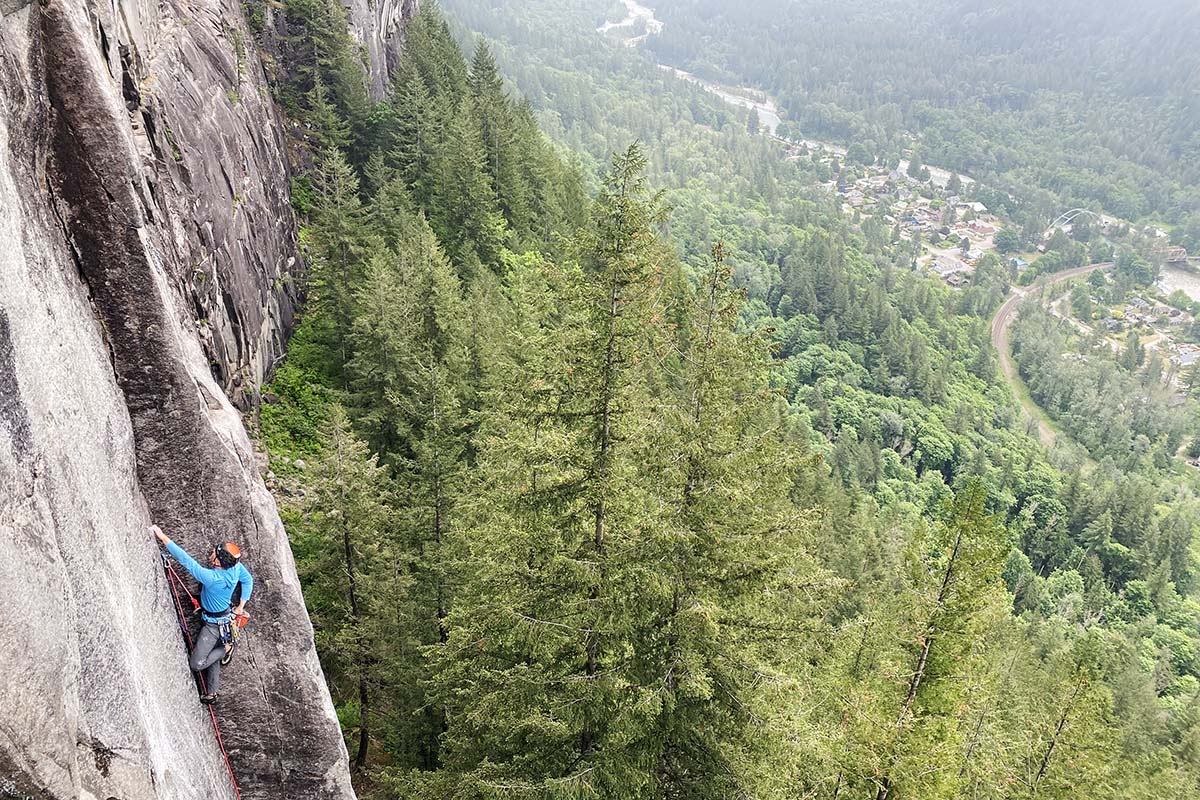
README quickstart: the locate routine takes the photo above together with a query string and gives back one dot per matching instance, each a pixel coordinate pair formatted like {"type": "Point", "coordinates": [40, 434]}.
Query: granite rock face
{"type": "Point", "coordinates": [148, 265]}
{"type": "Point", "coordinates": [378, 25]}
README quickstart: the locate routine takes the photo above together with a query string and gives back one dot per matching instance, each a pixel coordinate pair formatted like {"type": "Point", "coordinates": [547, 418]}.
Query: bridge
{"type": "Point", "coordinates": [1067, 217]}
{"type": "Point", "coordinates": [1171, 255]}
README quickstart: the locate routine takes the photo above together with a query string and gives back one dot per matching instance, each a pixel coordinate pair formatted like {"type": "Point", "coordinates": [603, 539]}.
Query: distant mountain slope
{"type": "Point", "coordinates": [1077, 103]}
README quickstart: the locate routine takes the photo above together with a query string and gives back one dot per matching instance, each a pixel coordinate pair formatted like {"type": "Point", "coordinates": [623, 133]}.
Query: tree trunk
{"type": "Point", "coordinates": [360, 758]}
{"type": "Point", "coordinates": [592, 661]}
{"type": "Point", "coordinates": [438, 520]}
{"type": "Point", "coordinates": [364, 734]}
{"type": "Point", "coordinates": [885, 785]}
{"type": "Point", "coordinates": [1058, 730]}
{"type": "Point", "coordinates": [983, 715]}
{"type": "Point", "coordinates": [671, 680]}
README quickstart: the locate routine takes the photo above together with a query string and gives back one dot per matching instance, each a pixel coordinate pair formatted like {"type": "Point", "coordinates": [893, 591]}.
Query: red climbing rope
{"type": "Point", "coordinates": [179, 580]}
{"type": "Point", "coordinates": [172, 574]}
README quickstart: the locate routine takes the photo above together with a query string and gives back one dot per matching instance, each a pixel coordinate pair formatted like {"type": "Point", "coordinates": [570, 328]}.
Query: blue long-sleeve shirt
{"type": "Point", "coordinates": [216, 585]}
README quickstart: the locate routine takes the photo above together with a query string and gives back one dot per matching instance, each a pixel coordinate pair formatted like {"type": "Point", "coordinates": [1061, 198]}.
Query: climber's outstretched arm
{"type": "Point", "coordinates": [202, 574]}
{"type": "Point", "coordinates": [163, 539]}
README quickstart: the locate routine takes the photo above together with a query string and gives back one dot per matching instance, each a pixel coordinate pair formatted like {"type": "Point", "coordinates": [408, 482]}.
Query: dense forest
{"type": "Point", "coordinates": [1064, 104]}
{"type": "Point", "coordinates": [1076, 376]}
{"type": "Point", "coordinates": [618, 463]}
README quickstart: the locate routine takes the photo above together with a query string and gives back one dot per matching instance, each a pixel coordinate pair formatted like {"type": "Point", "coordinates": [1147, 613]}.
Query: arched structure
{"type": "Point", "coordinates": [1066, 218]}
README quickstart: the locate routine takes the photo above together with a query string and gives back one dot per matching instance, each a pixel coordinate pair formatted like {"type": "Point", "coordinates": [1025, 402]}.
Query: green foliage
{"type": "Point", "coordinates": [995, 95]}
{"type": "Point", "coordinates": [256, 15]}
{"type": "Point", "coordinates": [718, 500]}
{"type": "Point", "coordinates": [1098, 395]}
{"type": "Point", "coordinates": [289, 427]}
{"type": "Point", "coordinates": [1007, 241]}
{"type": "Point", "coordinates": [302, 195]}
{"type": "Point", "coordinates": [329, 131]}
{"type": "Point", "coordinates": [341, 536]}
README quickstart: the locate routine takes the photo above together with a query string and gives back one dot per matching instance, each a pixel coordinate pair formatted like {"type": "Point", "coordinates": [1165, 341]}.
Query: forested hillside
{"type": "Point", "coordinates": [1078, 103]}
{"type": "Point", "coordinates": [598, 490]}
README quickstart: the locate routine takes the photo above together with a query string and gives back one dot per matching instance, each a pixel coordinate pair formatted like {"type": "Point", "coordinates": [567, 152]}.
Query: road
{"type": "Point", "coordinates": [1000, 325]}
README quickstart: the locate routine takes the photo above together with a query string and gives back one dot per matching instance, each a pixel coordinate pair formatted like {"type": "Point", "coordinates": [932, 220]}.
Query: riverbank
{"type": "Point", "coordinates": [1180, 279]}
{"type": "Point", "coordinates": [641, 18]}
{"type": "Point", "coordinates": [769, 115]}
{"type": "Point", "coordinates": [638, 13]}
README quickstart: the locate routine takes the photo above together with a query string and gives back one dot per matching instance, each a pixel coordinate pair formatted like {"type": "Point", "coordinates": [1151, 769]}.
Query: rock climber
{"type": "Point", "coordinates": [214, 645]}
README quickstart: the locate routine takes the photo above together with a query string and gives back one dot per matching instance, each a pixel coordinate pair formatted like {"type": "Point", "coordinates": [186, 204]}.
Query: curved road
{"type": "Point", "coordinates": [1000, 324]}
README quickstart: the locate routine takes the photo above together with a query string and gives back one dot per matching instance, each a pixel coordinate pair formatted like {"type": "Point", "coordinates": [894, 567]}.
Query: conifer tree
{"type": "Point", "coordinates": [393, 215]}
{"type": "Point", "coordinates": [547, 687]}
{"type": "Point", "coordinates": [318, 48]}
{"type": "Point", "coordinates": [384, 361]}
{"type": "Point", "coordinates": [556, 204]}
{"type": "Point", "coordinates": [376, 173]}
{"type": "Point", "coordinates": [342, 244]}
{"type": "Point", "coordinates": [409, 373]}
{"type": "Point", "coordinates": [328, 129]}
{"type": "Point", "coordinates": [414, 136]}
{"type": "Point", "coordinates": [464, 211]}
{"type": "Point", "coordinates": [437, 404]}
{"type": "Point", "coordinates": [1063, 742]}
{"type": "Point", "coordinates": [1097, 536]}
{"type": "Point", "coordinates": [952, 591]}
{"type": "Point", "coordinates": [341, 535]}
{"type": "Point", "coordinates": [435, 53]}
{"type": "Point", "coordinates": [498, 133]}
{"type": "Point", "coordinates": [734, 553]}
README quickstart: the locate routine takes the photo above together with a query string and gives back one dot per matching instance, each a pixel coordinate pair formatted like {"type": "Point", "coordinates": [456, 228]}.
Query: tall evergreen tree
{"type": "Point", "coordinates": [410, 373]}
{"type": "Point", "coordinates": [317, 48]}
{"type": "Point", "coordinates": [414, 138]}
{"type": "Point", "coordinates": [734, 554]}
{"type": "Point", "coordinates": [341, 532]}
{"type": "Point", "coordinates": [953, 588]}
{"type": "Point", "coordinates": [498, 132]}
{"type": "Point", "coordinates": [342, 244]}
{"type": "Point", "coordinates": [384, 363]}
{"type": "Point", "coordinates": [328, 128]}
{"type": "Point", "coordinates": [558, 698]}
{"type": "Point", "coordinates": [464, 211]}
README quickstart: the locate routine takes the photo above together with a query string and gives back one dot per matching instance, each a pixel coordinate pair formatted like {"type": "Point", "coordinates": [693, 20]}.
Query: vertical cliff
{"type": "Point", "coordinates": [148, 276]}
{"type": "Point", "coordinates": [378, 25]}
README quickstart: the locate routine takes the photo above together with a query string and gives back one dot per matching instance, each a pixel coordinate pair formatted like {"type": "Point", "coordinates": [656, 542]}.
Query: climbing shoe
{"type": "Point", "coordinates": [208, 699]}
{"type": "Point", "coordinates": [228, 655]}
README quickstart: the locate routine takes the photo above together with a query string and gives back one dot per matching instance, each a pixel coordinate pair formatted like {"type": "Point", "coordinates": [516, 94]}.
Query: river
{"type": "Point", "coordinates": [769, 115]}
{"type": "Point", "coordinates": [768, 112]}
{"type": "Point", "coordinates": [637, 12]}
{"type": "Point", "coordinates": [1172, 278]}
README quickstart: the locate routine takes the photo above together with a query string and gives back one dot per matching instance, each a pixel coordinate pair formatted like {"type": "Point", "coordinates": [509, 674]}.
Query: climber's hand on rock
{"type": "Point", "coordinates": [163, 539]}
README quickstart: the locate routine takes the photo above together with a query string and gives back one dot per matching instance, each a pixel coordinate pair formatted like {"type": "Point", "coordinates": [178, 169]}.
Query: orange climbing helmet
{"type": "Point", "coordinates": [228, 553]}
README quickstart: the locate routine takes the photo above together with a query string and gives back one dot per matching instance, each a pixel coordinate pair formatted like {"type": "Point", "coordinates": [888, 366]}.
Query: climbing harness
{"type": "Point", "coordinates": [173, 579]}
{"type": "Point", "coordinates": [230, 632]}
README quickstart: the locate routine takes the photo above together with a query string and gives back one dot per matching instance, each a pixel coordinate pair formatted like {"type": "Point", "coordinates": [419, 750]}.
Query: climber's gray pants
{"type": "Point", "coordinates": [207, 655]}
